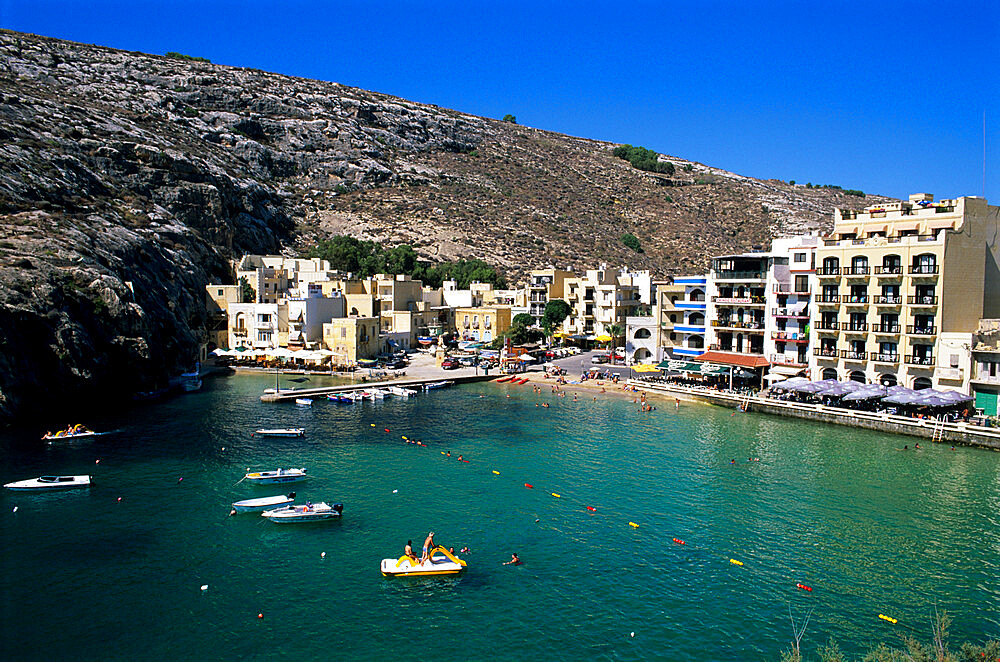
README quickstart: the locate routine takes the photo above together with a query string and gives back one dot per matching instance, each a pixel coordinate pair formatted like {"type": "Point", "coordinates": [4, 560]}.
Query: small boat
{"type": "Point", "coordinates": [426, 341]}
{"type": "Point", "coordinates": [191, 381]}
{"type": "Point", "coordinates": [278, 476]}
{"type": "Point", "coordinates": [281, 432]}
{"type": "Point", "coordinates": [75, 432]}
{"type": "Point", "coordinates": [50, 483]}
{"type": "Point", "coordinates": [377, 394]}
{"type": "Point", "coordinates": [404, 566]}
{"type": "Point", "coordinates": [303, 402]}
{"type": "Point", "coordinates": [431, 385]}
{"type": "Point", "coordinates": [401, 392]}
{"type": "Point", "coordinates": [311, 512]}
{"type": "Point", "coordinates": [367, 363]}
{"type": "Point", "coordinates": [341, 397]}
{"type": "Point", "coordinates": [504, 379]}
{"type": "Point", "coordinates": [263, 503]}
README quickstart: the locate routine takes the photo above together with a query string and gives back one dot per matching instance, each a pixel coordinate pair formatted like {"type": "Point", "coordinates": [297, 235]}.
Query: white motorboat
{"type": "Point", "coordinates": [303, 402]}
{"type": "Point", "coordinates": [311, 512]}
{"type": "Point", "coordinates": [263, 503]}
{"type": "Point", "coordinates": [377, 393]}
{"type": "Point", "coordinates": [401, 392]}
{"type": "Point", "coordinates": [431, 385]}
{"type": "Point", "coordinates": [50, 483]}
{"type": "Point", "coordinates": [281, 432]}
{"type": "Point", "coordinates": [277, 476]}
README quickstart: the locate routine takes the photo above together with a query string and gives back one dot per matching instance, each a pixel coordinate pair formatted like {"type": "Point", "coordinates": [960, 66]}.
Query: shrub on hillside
{"type": "Point", "coordinates": [632, 242]}
{"type": "Point", "coordinates": [643, 159]}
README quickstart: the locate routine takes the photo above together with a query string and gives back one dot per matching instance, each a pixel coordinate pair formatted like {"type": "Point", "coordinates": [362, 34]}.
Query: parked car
{"type": "Point", "coordinates": [449, 364]}
{"type": "Point", "coordinates": [600, 358]}
{"type": "Point", "coordinates": [469, 361]}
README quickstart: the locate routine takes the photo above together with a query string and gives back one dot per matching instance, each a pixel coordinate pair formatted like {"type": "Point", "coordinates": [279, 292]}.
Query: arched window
{"type": "Point", "coordinates": [891, 261]}
{"type": "Point", "coordinates": [887, 379]}
{"type": "Point", "coordinates": [696, 319]}
{"type": "Point", "coordinates": [925, 263]}
{"type": "Point", "coordinates": [673, 318]}
{"type": "Point", "coordinates": [641, 333]}
{"type": "Point", "coordinates": [829, 373]}
{"type": "Point", "coordinates": [641, 353]}
{"type": "Point", "coordinates": [697, 295]}
{"type": "Point", "coordinates": [921, 383]}
{"type": "Point", "coordinates": [858, 376]}
{"type": "Point", "coordinates": [241, 322]}
{"type": "Point", "coordinates": [831, 265]}
{"type": "Point", "coordinates": [696, 342]}
{"type": "Point", "coordinates": [859, 265]}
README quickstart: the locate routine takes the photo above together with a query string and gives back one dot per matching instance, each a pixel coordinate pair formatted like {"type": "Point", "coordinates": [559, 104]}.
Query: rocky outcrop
{"type": "Point", "coordinates": [129, 181]}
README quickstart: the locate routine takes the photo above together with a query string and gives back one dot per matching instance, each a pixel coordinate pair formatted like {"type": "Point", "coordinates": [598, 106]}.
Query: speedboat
{"type": "Point", "coordinates": [75, 432]}
{"type": "Point", "coordinates": [401, 392]}
{"type": "Point", "coordinates": [50, 483]}
{"type": "Point", "coordinates": [263, 503]}
{"type": "Point", "coordinates": [445, 564]}
{"type": "Point", "coordinates": [303, 402]}
{"type": "Point", "coordinates": [341, 397]}
{"type": "Point", "coordinates": [311, 512]}
{"type": "Point", "coordinates": [431, 385]}
{"type": "Point", "coordinates": [277, 476]}
{"type": "Point", "coordinates": [377, 393]}
{"type": "Point", "coordinates": [281, 432]}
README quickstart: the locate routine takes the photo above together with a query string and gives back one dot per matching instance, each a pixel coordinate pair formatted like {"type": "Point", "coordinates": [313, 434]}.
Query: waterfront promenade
{"type": "Point", "coordinates": [945, 432]}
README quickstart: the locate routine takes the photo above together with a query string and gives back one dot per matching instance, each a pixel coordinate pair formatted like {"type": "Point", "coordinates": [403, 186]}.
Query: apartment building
{"type": "Point", "coordinates": [306, 317]}
{"type": "Point", "coordinates": [680, 307]}
{"type": "Point", "coordinates": [482, 323]}
{"type": "Point", "coordinates": [737, 303]}
{"type": "Point", "coordinates": [599, 300]}
{"type": "Point", "coordinates": [986, 366]}
{"type": "Point", "coordinates": [543, 285]}
{"type": "Point", "coordinates": [902, 287]}
{"type": "Point", "coordinates": [258, 325]}
{"type": "Point", "coordinates": [791, 280]}
{"type": "Point", "coordinates": [352, 338]}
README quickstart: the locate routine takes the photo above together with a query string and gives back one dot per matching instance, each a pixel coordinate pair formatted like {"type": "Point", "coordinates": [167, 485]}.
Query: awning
{"type": "Point", "coordinates": [771, 377]}
{"type": "Point", "coordinates": [940, 223]}
{"type": "Point", "coordinates": [733, 358]}
{"type": "Point", "coordinates": [881, 227]}
{"type": "Point", "coordinates": [786, 370]}
{"type": "Point", "coordinates": [645, 367]}
{"type": "Point", "coordinates": [675, 365]}
{"type": "Point", "coordinates": [906, 225]}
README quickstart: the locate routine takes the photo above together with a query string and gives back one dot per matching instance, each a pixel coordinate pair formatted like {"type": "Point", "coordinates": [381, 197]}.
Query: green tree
{"type": "Point", "coordinates": [632, 242]}
{"type": "Point", "coordinates": [522, 319]}
{"type": "Point", "coordinates": [643, 159]}
{"type": "Point", "coordinates": [247, 294]}
{"type": "Point", "coordinates": [510, 118]}
{"type": "Point", "coordinates": [615, 331]}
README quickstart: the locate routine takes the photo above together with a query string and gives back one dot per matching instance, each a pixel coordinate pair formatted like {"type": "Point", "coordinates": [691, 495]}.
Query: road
{"type": "Point", "coordinates": [576, 365]}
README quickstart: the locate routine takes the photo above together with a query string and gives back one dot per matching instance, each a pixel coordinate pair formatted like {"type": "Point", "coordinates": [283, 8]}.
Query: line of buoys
{"type": "Point", "coordinates": [679, 541]}
{"type": "Point", "coordinates": [496, 472]}
{"type": "Point", "coordinates": [529, 486]}
{"type": "Point", "coordinates": [558, 496]}
{"type": "Point", "coordinates": [804, 587]}
{"type": "Point", "coordinates": [735, 562]}
{"type": "Point", "coordinates": [592, 509]}
{"type": "Point", "coordinates": [633, 525]}
{"type": "Point", "coordinates": [888, 618]}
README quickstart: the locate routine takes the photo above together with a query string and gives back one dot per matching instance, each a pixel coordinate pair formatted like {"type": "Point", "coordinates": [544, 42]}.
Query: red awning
{"type": "Point", "coordinates": [734, 358]}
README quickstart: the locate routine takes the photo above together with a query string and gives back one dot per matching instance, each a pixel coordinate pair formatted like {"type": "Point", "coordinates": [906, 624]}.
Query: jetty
{"type": "Point", "coordinates": [288, 395]}
{"type": "Point", "coordinates": [948, 432]}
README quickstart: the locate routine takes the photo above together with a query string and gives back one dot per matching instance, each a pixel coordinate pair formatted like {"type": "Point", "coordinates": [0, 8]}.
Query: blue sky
{"type": "Point", "coordinates": [884, 97]}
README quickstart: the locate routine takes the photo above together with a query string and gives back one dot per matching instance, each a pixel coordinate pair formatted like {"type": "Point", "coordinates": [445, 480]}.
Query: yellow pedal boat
{"type": "Point", "coordinates": [404, 566]}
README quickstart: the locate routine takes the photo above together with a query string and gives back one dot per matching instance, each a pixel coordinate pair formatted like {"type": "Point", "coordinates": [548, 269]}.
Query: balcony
{"type": "Point", "coordinates": [786, 336]}
{"type": "Point", "coordinates": [855, 299]}
{"type": "Point", "coordinates": [887, 300]}
{"type": "Point", "coordinates": [828, 298]}
{"type": "Point", "coordinates": [827, 326]}
{"type": "Point", "coordinates": [923, 269]}
{"type": "Point", "coordinates": [736, 324]}
{"type": "Point", "coordinates": [739, 275]}
{"type": "Point", "coordinates": [922, 300]}
{"type": "Point", "coordinates": [790, 289]}
{"type": "Point", "coordinates": [912, 330]}
{"type": "Point", "coordinates": [851, 355]}
{"type": "Point", "coordinates": [920, 360]}
{"type": "Point", "coordinates": [854, 327]}
{"type": "Point", "coordinates": [789, 312]}
{"type": "Point", "coordinates": [826, 353]}
{"type": "Point", "coordinates": [893, 329]}
{"type": "Point", "coordinates": [826, 272]}
{"type": "Point", "coordinates": [744, 301]}
{"type": "Point", "coordinates": [857, 272]}
{"type": "Point", "coordinates": [782, 359]}
{"type": "Point", "coordinates": [889, 270]}
{"type": "Point", "coordinates": [883, 357]}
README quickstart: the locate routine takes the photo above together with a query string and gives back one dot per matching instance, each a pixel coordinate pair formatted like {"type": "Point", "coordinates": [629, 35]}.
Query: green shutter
{"type": "Point", "coordinates": [987, 401]}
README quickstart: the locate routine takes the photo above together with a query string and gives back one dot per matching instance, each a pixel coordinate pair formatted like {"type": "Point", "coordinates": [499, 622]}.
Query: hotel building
{"type": "Point", "coordinates": [901, 288]}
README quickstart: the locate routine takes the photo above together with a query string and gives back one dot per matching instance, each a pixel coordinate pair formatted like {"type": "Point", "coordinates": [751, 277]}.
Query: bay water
{"type": "Point", "coordinates": [115, 572]}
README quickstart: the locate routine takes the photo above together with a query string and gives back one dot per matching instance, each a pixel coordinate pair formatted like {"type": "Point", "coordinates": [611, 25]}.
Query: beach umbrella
{"type": "Point", "coordinates": [935, 400]}
{"type": "Point", "coordinates": [956, 396]}
{"type": "Point", "coordinates": [864, 394]}
{"type": "Point", "coordinates": [842, 389]}
{"type": "Point", "coordinates": [901, 399]}
{"type": "Point", "coordinates": [645, 367]}
{"type": "Point", "coordinates": [603, 338]}
{"type": "Point", "coordinates": [788, 384]}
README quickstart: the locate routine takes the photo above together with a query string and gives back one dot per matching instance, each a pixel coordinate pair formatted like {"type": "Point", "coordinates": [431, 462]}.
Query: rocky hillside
{"type": "Point", "coordinates": [128, 181]}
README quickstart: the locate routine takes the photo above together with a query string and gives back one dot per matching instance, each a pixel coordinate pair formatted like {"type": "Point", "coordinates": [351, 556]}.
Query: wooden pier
{"type": "Point", "coordinates": [285, 395]}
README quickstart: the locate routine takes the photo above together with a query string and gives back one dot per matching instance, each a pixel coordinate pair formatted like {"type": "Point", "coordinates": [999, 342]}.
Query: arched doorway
{"type": "Point", "coordinates": [921, 383]}
{"type": "Point", "coordinates": [641, 354]}
{"type": "Point", "coordinates": [829, 373]}
{"type": "Point", "coordinates": [858, 376]}
{"type": "Point", "coordinates": [887, 380]}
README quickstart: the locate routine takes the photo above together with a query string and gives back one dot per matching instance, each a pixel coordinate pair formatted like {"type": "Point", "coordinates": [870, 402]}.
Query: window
{"type": "Point", "coordinates": [221, 292]}
{"type": "Point", "coordinates": [829, 373]}
{"type": "Point", "coordinates": [858, 376]}
{"type": "Point", "coordinates": [642, 333]}
{"type": "Point", "coordinates": [696, 319]}
{"type": "Point", "coordinates": [802, 283]}
{"type": "Point", "coordinates": [800, 257]}
{"type": "Point", "coordinates": [887, 380]}
{"type": "Point", "coordinates": [697, 295]}
{"type": "Point", "coordinates": [343, 332]}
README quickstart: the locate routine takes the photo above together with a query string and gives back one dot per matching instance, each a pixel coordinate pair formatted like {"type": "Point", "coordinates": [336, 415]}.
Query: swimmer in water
{"type": "Point", "coordinates": [514, 560]}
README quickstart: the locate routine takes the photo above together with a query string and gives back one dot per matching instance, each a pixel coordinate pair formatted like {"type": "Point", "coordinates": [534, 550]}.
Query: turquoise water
{"type": "Point", "coordinates": [871, 529]}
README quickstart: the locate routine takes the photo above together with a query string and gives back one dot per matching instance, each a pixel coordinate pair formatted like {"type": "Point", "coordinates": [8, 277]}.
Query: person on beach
{"type": "Point", "coordinates": [428, 544]}
{"type": "Point", "coordinates": [514, 560]}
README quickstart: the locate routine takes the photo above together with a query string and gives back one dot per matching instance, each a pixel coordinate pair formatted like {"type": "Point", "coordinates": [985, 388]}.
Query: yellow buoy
{"type": "Point", "coordinates": [735, 562]}
{"type": "Point", "coordinates": [496, 472]}
{"type": "Point", "coordinates": [887, 618]}
{"type": "Point", "coordinates": [633, 525]}
{"type": "Point", "coordinates": [558, 496]}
